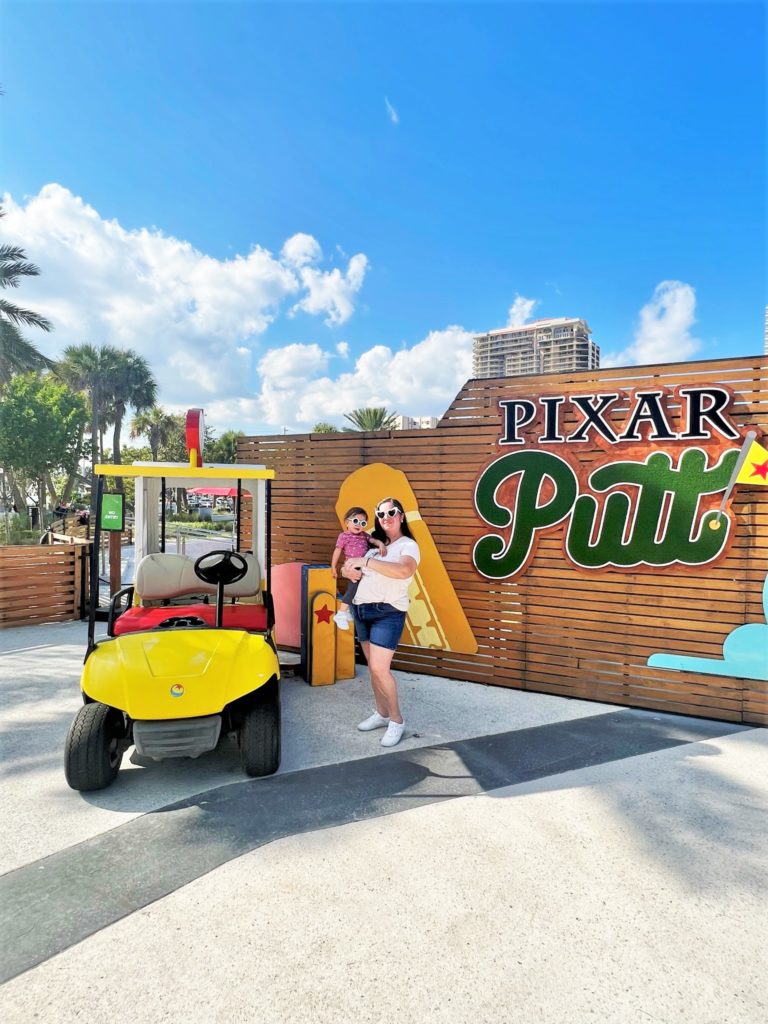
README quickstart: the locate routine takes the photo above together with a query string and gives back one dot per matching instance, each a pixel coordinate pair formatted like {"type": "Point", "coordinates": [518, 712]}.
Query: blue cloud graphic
{"type": "Point", "coordinates": [745, 653]}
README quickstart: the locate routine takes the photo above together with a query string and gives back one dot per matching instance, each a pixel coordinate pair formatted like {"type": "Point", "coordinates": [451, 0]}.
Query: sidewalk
{"type": "Point", "coordinates": [621, 876]}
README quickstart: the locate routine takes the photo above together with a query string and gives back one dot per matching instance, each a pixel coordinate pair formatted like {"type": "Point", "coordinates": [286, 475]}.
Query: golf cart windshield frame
{"type": "Point", "coordinates": [233, 475]}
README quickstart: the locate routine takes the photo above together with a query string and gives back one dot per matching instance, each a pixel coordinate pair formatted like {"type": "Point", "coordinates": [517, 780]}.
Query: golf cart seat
{"type": "Point", "coordinates": [163, 577]}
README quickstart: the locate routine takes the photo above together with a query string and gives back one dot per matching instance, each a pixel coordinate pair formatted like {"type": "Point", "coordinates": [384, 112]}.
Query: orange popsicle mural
{"type": "Point", "coordinates": [435, 616]}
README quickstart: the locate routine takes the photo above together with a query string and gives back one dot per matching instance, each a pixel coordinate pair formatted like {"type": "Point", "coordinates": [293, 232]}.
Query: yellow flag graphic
{"type": "Point", "coordinates": [754, 470]}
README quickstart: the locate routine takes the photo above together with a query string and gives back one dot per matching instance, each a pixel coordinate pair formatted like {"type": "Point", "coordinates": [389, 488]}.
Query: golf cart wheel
{"type": "Point", "coordinates": [94, 747]}
{"type": "Point", "coordinates": [260, 732]}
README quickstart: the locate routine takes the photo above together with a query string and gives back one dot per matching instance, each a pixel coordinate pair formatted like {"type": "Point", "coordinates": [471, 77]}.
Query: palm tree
{"type": "Point", "coordinates": [224, 448]}
{"type": "Point", "coordinates": [156, 425]}
{"type": "Point", "coordinates": [134, 385]}
{"type": "Point", "coordinates": [91, 370]}
{"type": "Point", "coordinates": [370, 419]}
{"type": "Point", "coordinates": [17, 355]}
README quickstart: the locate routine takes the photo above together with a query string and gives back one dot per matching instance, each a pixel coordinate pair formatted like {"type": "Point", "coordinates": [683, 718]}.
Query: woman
{"type": "Point", "coordinates": [379, 609]}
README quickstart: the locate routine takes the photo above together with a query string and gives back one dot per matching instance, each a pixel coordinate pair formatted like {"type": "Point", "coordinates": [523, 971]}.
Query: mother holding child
{"type": "Point", "coordinates": [379, 607]}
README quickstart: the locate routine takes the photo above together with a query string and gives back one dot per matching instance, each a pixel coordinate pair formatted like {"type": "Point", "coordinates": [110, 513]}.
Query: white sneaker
{"type": "Point", "coordinates": [376, 721]}
{"type": "Point", "coordinates": [342, 620]}
{"type": "Point", "coordinates": [393, 735]}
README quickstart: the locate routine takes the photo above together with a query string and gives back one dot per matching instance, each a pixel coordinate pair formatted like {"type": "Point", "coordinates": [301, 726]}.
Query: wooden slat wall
{"type": "Point", "coordinates": [553, 628]}
{"type": "Point", "coordinates": [40, 583]}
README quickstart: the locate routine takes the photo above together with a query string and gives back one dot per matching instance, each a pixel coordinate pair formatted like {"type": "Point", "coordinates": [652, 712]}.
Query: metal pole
{"type": "Point", "coordinates": [162, 514]}
{"type": "Point", "coordinates": [93, 603]}
{"type": "Point", "coordinates": [83, 570]}
{"type": "Point", "coordinates": [237, 514]}
{"type": "Point", "coordinates": [115, 559]}
{"type": "Point", "coordinates": [268, 547]}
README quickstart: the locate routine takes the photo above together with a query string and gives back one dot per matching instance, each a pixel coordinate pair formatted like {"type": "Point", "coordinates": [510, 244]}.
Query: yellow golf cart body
{"type": "Point", "coordinates": [171, 677]}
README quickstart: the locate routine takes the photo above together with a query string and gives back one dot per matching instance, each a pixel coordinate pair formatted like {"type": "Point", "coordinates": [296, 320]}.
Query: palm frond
{"type": "Point", "coordinates": [24, 316]}
{"type": "Point", "coordinates": [17, 355]}
{"type": "Point", "coordinates": [14, 254]}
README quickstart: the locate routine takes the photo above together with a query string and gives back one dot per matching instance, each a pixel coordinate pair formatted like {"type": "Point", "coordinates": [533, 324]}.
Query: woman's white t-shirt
{"type": "Point", "coordinates": [377, 589]}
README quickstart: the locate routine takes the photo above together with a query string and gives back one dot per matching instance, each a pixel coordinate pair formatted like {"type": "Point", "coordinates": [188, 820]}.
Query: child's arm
{"type": "Point", "coordinates": [335, 557]}
{"type": "Point", "coordinates": [380, 546]}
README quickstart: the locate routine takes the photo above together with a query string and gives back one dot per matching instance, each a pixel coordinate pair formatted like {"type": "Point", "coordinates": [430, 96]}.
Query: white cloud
{"type": "Point", "coordinates": [196, 318]}
{"type": "Point", "coordinates": [301, 249]}
{"type": "Point", "coordinates": [332, 291]}
{"type": "Point", "coordinates": [200, 321]}
{"type": "Point", "coordinates": [520, 311]}
{"type": "Point", "coordinates": [285, 373]}
{"type": "Point", "coordinates": [392, 114]}
{"type": "Point", "coordinates": [421, 380]}
{"type": "Point", "coordinates": [664, 329]}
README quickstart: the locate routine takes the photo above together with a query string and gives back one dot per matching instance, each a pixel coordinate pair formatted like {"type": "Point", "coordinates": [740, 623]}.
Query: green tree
{"type": "Point", "coordinates": [41, 427]}
{"type": "Point", "coordinates": [133, 385]}
{"type": "Point", "coordinates": [222, 449]}
{"type": "Point", "coordinates": [370, 419]}
{"type": "Point", "coordinates": [130, 455]}
{"type": "Point", "coordinates": [92, 370]}
{"type": "Point", "coordinates": [17, 355]}
{"type": "Point", "coordinates": [324, 428]}
{"type": "Point", "coordinates": [157, 426]}
{"type": "Point", "coordinates": [174, 448]}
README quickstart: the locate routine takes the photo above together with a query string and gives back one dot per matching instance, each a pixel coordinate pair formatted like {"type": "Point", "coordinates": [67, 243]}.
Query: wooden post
{"type": "Point", "coordinates": [114, 561]}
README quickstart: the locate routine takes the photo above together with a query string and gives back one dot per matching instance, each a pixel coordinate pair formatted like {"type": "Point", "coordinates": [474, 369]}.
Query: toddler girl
{"type": "Point", "coordinates": [352, 543]}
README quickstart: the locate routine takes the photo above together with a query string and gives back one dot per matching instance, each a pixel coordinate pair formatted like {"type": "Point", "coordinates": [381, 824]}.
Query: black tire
{"type": "Point", "coordinates": [94, 747]}
{"type": "Point", "coordinates": [259, 733]}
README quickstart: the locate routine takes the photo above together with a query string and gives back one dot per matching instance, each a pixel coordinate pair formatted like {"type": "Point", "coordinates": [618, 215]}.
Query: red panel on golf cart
{"type": "Point", "coordinates": [236, 616]}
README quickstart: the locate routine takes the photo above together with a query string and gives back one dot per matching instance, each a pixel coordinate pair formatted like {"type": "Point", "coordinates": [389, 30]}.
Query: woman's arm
{"type": "Point", "coordinates": [351, 572]}
{"type": "Point", "coordinates": [401, 570]}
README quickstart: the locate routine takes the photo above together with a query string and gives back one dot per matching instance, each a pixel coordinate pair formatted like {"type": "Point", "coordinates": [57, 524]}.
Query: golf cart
{"type": "Point", "coordinates": [176, 671]}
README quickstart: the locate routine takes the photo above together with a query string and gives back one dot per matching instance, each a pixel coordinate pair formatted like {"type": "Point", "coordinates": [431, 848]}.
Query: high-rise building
{"type": "Point", "coordinates": [415, 422]}
{"type": "Point", "coordinates": [542, 346]}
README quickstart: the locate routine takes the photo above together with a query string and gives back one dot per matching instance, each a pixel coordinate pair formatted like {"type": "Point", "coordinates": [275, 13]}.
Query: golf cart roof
{"type": "Point", "coordinates": [225, 475]}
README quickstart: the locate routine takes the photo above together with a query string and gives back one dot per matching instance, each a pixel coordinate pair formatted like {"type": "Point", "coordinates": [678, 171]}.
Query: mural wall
{"type": "Point", "coordinates": [602, 535]}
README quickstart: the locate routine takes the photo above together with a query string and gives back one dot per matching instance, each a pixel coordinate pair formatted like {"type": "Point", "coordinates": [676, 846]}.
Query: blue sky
{"type": "Point", "coordinates": [432, 162]}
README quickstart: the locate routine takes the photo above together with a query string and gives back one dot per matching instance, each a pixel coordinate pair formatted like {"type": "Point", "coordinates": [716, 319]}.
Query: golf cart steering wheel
{"type": "Point", "coordinates": [221, 566]}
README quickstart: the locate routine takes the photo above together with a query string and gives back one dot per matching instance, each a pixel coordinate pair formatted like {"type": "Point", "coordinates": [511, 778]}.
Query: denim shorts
{"type": "Point", "coordinates": [380, 624]}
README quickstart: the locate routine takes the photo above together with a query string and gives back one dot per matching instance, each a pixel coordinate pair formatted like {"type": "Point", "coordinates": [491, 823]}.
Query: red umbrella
{"type": "Point", "coordinates": [218, 492]}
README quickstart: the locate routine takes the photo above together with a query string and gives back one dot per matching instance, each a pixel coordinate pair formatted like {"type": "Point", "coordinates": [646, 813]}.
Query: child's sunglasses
{"type": "Point", "coordinates": [391, 512]}
{"type": "Point", "coordinates": [358, 522]}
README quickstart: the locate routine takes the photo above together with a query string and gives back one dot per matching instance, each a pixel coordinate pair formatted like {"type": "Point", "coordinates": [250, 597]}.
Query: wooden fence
{"type": "Point", "coordinates": [43, 583]}
{"type": "Point", "coordinates": [553, 628]}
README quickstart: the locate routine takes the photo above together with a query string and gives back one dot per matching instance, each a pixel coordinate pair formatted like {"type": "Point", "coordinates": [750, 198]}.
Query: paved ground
{"type": "Point", "coordinates": [518, 858]}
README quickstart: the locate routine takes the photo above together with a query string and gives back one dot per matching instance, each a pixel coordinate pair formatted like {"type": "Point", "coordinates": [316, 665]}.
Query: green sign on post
{"type": "Point", "coordinates": [112, 512]}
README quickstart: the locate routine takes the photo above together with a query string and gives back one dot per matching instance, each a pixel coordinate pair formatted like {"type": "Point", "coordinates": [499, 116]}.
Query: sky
{"type": "Point", "coordinates": [295, 210]}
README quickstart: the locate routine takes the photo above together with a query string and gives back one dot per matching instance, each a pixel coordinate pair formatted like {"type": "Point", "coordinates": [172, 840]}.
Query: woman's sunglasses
{"type": "Point", "coordinates": [358, 522]}
{"type": "Point", "coordinates": [391, 512]}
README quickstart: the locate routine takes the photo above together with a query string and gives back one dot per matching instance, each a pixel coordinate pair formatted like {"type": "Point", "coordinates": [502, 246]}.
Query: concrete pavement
{"type": "Point", "coordinates": [614, 881]}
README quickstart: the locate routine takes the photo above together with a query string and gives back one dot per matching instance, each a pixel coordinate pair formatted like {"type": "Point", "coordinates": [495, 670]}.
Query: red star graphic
{"type": "Point", "coordinates": [760, 469]}
{"type": "Point", "coordinates": [324, 614]}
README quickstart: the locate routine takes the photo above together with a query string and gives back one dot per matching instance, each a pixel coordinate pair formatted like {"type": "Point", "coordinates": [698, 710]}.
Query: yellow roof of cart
{"type": "Point", "coordinates": [183, 471]}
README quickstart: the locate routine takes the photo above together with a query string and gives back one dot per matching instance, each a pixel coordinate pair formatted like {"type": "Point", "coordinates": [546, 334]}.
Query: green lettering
{"type": "Point", "coordinates": [665, 528]}
{"type": "Point", "coordinates": [498, 557]}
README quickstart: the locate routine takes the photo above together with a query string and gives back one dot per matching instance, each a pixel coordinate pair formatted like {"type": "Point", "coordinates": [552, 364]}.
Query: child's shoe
{"type": "Point", "coordinates": [376, 721]}
{"type": "Point", "coordinates": [342, 620]}
{"type": "Point", "coordinates": [393, 735]}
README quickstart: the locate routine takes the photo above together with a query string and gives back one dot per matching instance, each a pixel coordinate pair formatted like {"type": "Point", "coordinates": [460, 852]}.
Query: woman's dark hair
{"type": "Point", "coordinates": [378, 529]}
{"type": "Point", "coordinates": [355, 511]}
